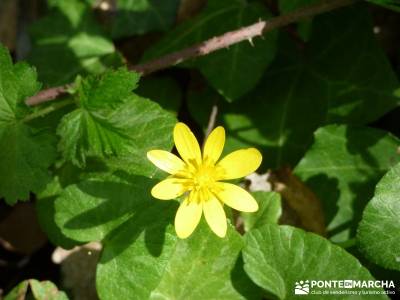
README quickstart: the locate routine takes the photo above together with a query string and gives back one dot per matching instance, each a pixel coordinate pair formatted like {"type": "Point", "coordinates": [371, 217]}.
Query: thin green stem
{"type": "Point", "coordinates": [48, 109]}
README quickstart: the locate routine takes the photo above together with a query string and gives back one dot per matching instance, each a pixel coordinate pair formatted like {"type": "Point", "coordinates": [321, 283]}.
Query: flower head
{"type": "Point", "coordinates": [198, 176]}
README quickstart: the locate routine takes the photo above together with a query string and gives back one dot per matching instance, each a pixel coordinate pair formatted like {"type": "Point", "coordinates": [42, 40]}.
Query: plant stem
{"type": "Point", "coordinates": [216, 43]}
{"type": "Point", "coordinates": [48, 95]}
{"type": "Point", "coordinates": [243, 34]}
{"type": "Point", "coordinates": [212, 119]}
{"type": "Point", "coordinates": [45, 111]}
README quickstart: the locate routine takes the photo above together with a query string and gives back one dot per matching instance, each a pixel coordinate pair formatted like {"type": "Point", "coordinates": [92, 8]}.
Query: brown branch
{"type": "Point", "coordinates": [216, 43]}
{"type": "Point", "coordinates": [48, 95]}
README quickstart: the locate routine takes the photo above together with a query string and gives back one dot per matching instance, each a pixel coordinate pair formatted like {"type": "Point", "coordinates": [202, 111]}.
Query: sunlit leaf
{"type": "Point", "coordinates": [342, 168]}
{"type": "Point", "coordinates": [276, 257]}
{"type": "Point", "coordinates": [379, 229]}
{"type": "Point", "coordinates": [269, 210]}
{"type": "Point", "coordinates": [112, 121]}
{"type": "Point", "coordinates": [38, 290]}
{"type": "Point", "coordinates": [147, 261]}
{"type": "Point", "coordinates": [26, 152]}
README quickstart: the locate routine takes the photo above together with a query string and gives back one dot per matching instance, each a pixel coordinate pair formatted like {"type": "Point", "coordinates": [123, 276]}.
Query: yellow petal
{"type": "Point", "coordinates": [166, 161]}
{"type": "Point", "coordinates": [239, 163]}
{"type": "Point", "coordinates": [187, 217]}
{"type": "Point", "coordinates": [236, 197]}
{"type": "Point", "coordinates": [215, 216]}
{"type": "Point", "coordinates": [169, 188]}
{"type": "Point", "coordinates": [214, 145]}
{"type": "Point", "coordinates": [186, 144]}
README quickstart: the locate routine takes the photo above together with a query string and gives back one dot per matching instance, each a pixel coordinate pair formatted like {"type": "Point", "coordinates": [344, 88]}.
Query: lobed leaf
{"type": "Point", "coordinates": [112, 121]}
{"type": "Point", "coordinates": [26, 151]}
{"type": "Point", "coordinates": [379, 230]}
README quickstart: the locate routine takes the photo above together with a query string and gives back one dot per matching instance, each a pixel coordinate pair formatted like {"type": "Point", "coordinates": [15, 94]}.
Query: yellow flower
{"type": "Point", "coordinates": [198, 176]}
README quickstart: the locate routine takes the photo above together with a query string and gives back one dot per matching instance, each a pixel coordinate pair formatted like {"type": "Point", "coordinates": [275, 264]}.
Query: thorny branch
{"type": "Point", "coordinates": [216, 43]}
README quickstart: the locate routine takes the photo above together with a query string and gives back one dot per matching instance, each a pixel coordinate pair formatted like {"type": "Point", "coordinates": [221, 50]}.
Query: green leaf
{"type": "Point", "coordinates": [286, 6]}
{"type": "Point", "coordinates": [138, 17]}
{"type": "Point", "coordinates": [26, 156]}
{"type": "Point", "coordinates": [391, 4]}
{"type": "Point", "coordinates": [45, 213]}
{"type": "Point", "coordinates": [41, 290]}
{"type": "Point", "coordinates": [119, 186]}
{"type": "Point", "coordinates": [91, 210]}
{"type": "Point", "coordinates": [379, 230]}
{"type": "Point", "coordinates": [45, 208]}
{"type": "Point", "coordinates": [147, 261]}
{"type": "Point", "coordinates": [304, 27]}
{"type": "Point", "coordinates": [68, 42]}
{"type": "Point", "coordinates": [276, 257]}
{"type": "Point", "coordinates": [164, 90]}
{"type": "Point", "coordinates": [342, 167]}
{"type": "Point", "coordinates": [112, 121]}
{"type": "Point", "coordinates": [142, 257]}
{"type": "Point", "coordinates": [303, 90]}
{"type": "Point", "coordinates": [26, 152]}
{"type": "Point", "coordinates": [269, 210]}
{"type": "Point", "coordinates": [134, 258]}
{"type": "Point", "coordinates": [66, 176]}
{"type": "Point", "coordinates": [18, 292]}
{"type": "Point", "coordinates": [107, 90]}
{"type": "Point", "coordinates": [18, 82]}
{"type": "Point", "coordinates": [242, 64]}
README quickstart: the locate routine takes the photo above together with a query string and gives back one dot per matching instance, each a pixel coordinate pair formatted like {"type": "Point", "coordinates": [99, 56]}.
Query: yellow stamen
{"type": "Point", "coordinates": [199, 174]}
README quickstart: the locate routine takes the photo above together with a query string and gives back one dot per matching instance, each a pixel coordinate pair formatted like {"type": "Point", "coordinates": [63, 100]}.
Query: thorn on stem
{"type": "Point", "coordinates": [251, 41]}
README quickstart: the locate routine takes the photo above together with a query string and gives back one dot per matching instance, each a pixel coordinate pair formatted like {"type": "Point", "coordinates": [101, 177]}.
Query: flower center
{"type": "Point", "coordinates": [204, 177]}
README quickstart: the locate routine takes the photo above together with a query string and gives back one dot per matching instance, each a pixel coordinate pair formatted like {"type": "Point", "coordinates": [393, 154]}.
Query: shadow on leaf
{"type": "Point", "coordinates": [117, 210]}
